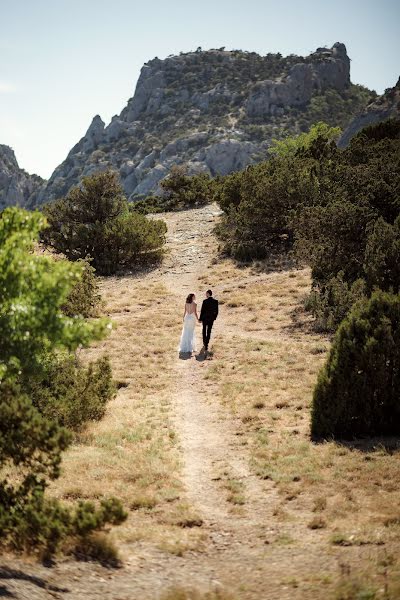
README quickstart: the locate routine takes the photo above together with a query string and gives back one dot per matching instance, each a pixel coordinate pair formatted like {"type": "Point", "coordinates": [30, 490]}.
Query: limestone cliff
{"type": "Point", "coordinates": [215, 111]}
{"type": "Point", "coordinates": [17, 187]}
{"type": "Point", "coordinates": [379, 109]}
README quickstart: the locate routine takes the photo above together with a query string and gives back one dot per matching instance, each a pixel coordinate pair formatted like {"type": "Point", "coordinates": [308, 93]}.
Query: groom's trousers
{"type": "Point", "coordinates": [207, 326]}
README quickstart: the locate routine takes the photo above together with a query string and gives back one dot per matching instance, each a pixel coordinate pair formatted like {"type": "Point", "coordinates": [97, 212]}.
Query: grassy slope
{"type": "Point", "coordinates": [338, 503]}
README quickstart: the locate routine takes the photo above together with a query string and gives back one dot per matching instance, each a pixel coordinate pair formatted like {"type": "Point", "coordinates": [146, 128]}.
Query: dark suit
{"type": "Point", "coordinates": [208, 314]}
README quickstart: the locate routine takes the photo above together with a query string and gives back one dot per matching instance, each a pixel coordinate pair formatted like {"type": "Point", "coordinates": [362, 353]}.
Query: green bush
{"type": "Point", "coordinates": [358, 390]}
{"type": "Point", "coordinates": [149, 205]}
{"type": "Point", "coordinates": [352, 226]}
{"type": "Point", "coordinates": [259, 202]}
{"type": "Point", "coordinates": [33, 523]}
{"type": "Point", "coordinates": [33, 290]}
{"type": "Point", "coordinates": [94, 221]}
{"type": "Point", "coordinates": [84, 298]}
{"type": "Point", "coordinates": [33, 330]}
{"type": "Point", "coordinates": [67, 392]}
{"type": "Point", "coordinates": [331, 304]}
{"type": "Point", "coordinates": [181, 190]}
{"type": "Point", "coordinates": [382, 256]}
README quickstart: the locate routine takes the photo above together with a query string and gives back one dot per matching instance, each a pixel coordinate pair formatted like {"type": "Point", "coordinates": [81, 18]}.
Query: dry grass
{"type": "Point", "coordinates": [132, 453]}
{"type": "Point", "coordinates": [263, 370]}
{"type": "Point", "coordinates": [180, 593]}
{"type": "Point", "coordinates": [343, 499]}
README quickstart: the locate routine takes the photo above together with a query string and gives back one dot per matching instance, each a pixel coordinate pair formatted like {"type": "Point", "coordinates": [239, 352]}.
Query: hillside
{"type": "Point", "coordinates": [227, 493]}
{"type": "Point", "coordinates": [17, 187]}
{"type": "Point", "coordinates": [214, 110]}
{"type": "Point", "coordinates": [379, 109]}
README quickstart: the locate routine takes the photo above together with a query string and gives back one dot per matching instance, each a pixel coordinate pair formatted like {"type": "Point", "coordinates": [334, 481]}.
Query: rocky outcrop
{"type": "Point", "coordinates": [214, 111]}
{"type": "Point", "coordinates": [328, 68]}
{"type": "Point", "coordinates": [17, 187]}
{"type": "Point", "coordinates": [384, 107]}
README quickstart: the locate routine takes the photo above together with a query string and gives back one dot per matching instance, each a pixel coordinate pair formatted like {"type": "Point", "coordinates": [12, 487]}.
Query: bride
{"type": "Point", "coordinates": [188, 337]}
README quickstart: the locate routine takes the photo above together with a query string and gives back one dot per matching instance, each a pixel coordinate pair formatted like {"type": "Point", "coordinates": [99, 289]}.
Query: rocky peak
{"type": "Point", "coordinates": [270, 86]}
{"type": "Point", "coordinates": [17, 187]}
{"type": "Point", "coordinates": [7, 156]}
{"type": "Point", "coordinates": [214, 111]}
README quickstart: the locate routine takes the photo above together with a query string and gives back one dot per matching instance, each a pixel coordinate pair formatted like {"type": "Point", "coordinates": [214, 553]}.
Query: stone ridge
{"type": "Point", "coordinates": [213, 111]}
{"type": "Point", "coordinates": [384, 107]}
{"type": "Point", "coordinates": [17, 187]}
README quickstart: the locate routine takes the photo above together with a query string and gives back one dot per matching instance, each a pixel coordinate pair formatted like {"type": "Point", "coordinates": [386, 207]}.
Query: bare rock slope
{"type": "Point", "coordinates": [215, 111]}
{"type": "Point", "coordinates": [17, 187]}
{"type": "Point", "coordinates": [384, 107]}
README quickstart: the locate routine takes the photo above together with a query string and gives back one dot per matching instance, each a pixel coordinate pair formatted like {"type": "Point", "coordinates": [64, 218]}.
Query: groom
{"type": "Point", "coordinates": [208, 314]}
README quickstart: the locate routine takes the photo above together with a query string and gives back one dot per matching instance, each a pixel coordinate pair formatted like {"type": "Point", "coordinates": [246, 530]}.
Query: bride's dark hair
{"type": "Point", "coordinates": [189, 299]}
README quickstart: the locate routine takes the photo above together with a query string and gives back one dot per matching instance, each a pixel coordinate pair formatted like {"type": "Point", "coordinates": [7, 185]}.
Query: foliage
{"type": "Point", "coordinates": [290, 145]}
{"type": "Point", "coordinates": [181, 190]}
{"type": "Point", "coordinates": [33, 289]}
{"type": "Point", "coordinates": [32, 329]}
{"type": "Point", "coordinates": [149, 205]}
{"type": "Point", "coordinates": [94, 221]}
{"type": "Point", "coordinates": [331, 304]}
{"type": "Point", "coordinates": [333, 107]}
{"type": "Point", "coordinates": [353, 228]}
{"type": "Point", "coordinates": [358, 390]}
{"type": "Point", "coordinates": [70, 394]}
{"type": "Point", "coordinates": [84, 298]}
{"type": "Point", "coordinates": [338, 209]}
{"type": "Point", "coordinates": [258, 202]}
{"type": "Point", "coordinates": [382, 256]}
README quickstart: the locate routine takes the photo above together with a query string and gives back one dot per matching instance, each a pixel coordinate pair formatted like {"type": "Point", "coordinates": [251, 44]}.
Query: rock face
{"type": "Point", "coordinates": [17, 187]}
{"type": "Point", "coordinates": [214, 111]}
{"type": "Point", "coordinates": [327, 69]}
{"type": "Point", "coordinates": [384, 107]}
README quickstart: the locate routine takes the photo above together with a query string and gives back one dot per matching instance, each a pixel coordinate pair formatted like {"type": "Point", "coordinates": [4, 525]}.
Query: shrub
{"type": "Point", "coordinates": [181, 190]}
{"type": "Point", "coordinates": [67, 392]}
{"type": "Point", "coordinates": [331, 304]}
{"type": "Point", "coordinates": [382, 256]}
{"type": "Point", "coordinates": [84, 298]}
{"type": "Point", "coordinates": [358, 390]}
{"type": "Point", "coordinates": [94, 221]}
{"type": "Point", "coordinates": [97, 547]}
{"type": "Point", "coordinates": [33, 328]}
{"type": "Point", "coordinates": [149, 205]}
{"type": "Point", "coordinates": [259, 201]}
{"type": "Point", "coordinates": [33, 289]}
{"type": "Point", "coordinates": [32, 522]}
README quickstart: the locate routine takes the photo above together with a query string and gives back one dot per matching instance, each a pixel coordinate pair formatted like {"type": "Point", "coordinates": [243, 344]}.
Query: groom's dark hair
{"type": "Point", "coordinates": [209, 292]}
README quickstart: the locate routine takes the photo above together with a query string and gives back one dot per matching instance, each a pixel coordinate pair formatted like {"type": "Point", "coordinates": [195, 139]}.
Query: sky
{"type": "Point", "coordinates": [64, 61]}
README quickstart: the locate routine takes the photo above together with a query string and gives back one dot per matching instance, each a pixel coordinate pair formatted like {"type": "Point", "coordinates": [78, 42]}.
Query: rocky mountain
{"type": "Point", "coordinates": [379, 109]}
{"type": "Point", "coordinates": [215, 111]}
{"type": "Point", "coordinates": [17, 187]}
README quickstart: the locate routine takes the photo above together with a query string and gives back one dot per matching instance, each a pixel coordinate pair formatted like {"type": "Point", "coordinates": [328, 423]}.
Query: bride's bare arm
{"type": "Point", "coordinates": [184, 312]}
{"type": "Point", "coordinates": [195, 311]}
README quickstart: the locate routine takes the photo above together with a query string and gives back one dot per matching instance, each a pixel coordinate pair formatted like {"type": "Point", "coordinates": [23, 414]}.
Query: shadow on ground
{"type": "Point", "coordinates": [8, 573]}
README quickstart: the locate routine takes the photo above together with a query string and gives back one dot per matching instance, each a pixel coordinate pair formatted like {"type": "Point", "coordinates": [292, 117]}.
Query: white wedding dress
{"type": "Point", "coordinates": [188, 337]}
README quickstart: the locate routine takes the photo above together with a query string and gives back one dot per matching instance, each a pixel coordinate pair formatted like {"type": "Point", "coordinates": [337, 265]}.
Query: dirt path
{"type": "Point", "coordinates": [208, 441]}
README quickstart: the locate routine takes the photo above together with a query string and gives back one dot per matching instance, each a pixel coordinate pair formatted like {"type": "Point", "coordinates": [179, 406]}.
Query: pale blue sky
{"type": "Point", "coordinates": [63, 61]}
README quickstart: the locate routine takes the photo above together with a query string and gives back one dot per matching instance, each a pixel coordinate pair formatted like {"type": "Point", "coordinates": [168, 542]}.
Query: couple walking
{"type": "Point", "coordinates": [208, 314]}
